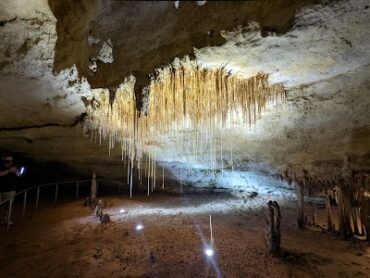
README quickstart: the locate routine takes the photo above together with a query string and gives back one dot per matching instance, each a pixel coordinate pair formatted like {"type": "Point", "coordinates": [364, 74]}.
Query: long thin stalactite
{"type": "Point", "coordinates": [196, 104]}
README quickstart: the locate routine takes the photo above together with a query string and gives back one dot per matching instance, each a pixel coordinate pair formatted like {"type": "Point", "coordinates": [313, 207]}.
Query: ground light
{"type": "Point", "coordinates": [209, 252]}
{"type": "Point", "coordinates": [122, 211]}
{"type": "Point", "coordinates": [139, 227]}
{"type": "Point", "coordinates": [209, 249]}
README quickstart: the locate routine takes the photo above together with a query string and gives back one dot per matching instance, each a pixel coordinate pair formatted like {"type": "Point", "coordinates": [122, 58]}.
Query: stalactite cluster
{"type": "Point", "coordinates": [347, 188]}
{"type": "Point", "coordinates": [183, 99]}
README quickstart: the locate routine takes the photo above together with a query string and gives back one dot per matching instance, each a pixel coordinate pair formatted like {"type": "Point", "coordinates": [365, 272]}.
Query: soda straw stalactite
{"type": "Point", "coordinates": [195, 104]}
{"type": "Point", "coordinates": [162, 177]}
{"type": "Point", "coordinates": [131, 177]}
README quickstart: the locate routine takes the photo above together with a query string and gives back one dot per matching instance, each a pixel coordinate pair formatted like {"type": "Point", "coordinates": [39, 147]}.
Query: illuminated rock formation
{"type": "Point", "coordinates": [62, 61]}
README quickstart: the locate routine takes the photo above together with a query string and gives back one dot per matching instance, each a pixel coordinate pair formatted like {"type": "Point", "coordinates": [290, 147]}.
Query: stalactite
{"type": "Point", "coordinates": [181, 180]}
{"type": "Point", "coordinates": [184, 100]}
{"type": "Point", "coordinates": [152, 164]}
{"type": "Point", "coordinates": [162, 177]}
{"type": "Point", "coordinates": [128, 173]}
{"type": "Point", "coordinates": [148, 173]}
{"type": "Point", "coordinates": [349, 189]}
{"type": "Point", "coordinates": [131, 177]}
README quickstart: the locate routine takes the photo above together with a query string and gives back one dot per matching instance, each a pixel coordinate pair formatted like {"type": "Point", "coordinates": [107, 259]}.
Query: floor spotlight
{"type": "Point", "coordinates": [209, 252]}
{"type": "Point", "coordinates": [139, 227]}
{"type": "Point", "coordinates": [122, 211]}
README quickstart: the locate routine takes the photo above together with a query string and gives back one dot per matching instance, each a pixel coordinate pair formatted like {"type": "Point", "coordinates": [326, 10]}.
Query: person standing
{"type": "Point", "coordinates": [9, 175]}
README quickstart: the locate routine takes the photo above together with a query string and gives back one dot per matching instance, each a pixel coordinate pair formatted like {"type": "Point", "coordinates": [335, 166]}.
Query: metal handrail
{"type": "Point", "coordinates": [37, 187]}
{"type": "Point", "coordinates": [43, 185]}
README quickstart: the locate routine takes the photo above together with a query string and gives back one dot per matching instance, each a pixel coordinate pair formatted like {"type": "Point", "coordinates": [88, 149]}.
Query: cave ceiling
{"type": "Point", "coordinates": [56, 57]}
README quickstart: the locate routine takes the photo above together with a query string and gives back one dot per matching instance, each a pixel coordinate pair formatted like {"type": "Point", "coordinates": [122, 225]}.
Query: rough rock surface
{"type": "Point", "coordinates": [140, 46]}
{"type": "Point", "coordinates": [50, 50]}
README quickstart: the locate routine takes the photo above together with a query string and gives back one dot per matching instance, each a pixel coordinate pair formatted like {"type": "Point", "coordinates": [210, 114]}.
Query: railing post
{"type": "Point", "coordinates": [77, 185]}
{"type": "Point", "coordinates": [24, 203]}
{"type": "Point", "coordinates": [9, 214]}
{"type": "Point", "coordinates": [37, 196]}
{"type": "Point", "coordinates": [56, 194]}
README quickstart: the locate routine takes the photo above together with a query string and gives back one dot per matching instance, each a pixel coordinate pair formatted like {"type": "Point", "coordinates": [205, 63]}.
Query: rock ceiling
{"type": "Point", "coordinates": [57, 56]}
{"type": "Point", "coordinates": [146, 35]}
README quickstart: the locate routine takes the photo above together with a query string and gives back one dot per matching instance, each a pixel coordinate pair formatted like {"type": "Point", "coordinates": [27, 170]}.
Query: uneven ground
{"type": "Point", "coordinates": [66, 241]}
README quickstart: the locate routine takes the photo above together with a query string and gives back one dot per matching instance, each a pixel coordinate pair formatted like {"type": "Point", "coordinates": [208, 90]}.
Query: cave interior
{"type": "Point", "coordinates": [186, 138]}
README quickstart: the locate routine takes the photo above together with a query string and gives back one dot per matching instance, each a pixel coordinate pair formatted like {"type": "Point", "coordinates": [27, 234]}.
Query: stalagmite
{"type": "Point", "coordinates": [329, 221]}
{"type": "Point", "coordinates": [344, 212]}
{"type": "Point", "coordinates": [273, 235]}
{"type": "Point", "coordinates": [93, 187]}
{"type": "Point", "coordinates": [301, 222]}
{"type": "Point", "coordinates": [365, 216]}
{"type": "Point", "coordinates": [354, 213]}
{"type": "Point", "coordinates": [349, 190]}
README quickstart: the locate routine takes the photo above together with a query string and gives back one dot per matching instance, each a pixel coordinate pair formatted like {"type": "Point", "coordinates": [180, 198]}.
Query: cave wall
{"type": "Point", "coordinates": [45, 78]}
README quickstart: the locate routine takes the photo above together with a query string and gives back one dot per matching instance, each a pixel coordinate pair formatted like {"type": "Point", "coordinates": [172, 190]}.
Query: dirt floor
{"type": "Point", "coordinates": [67, 241]}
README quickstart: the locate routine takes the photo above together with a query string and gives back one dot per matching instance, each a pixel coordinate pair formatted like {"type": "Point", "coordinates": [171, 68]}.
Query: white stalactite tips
{"type": "Point", "coordinates": [185, 100]}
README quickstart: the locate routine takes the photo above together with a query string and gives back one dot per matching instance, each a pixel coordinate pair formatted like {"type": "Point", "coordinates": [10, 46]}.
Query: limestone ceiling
{"type": "Point", "coordinates": [52, 53]}
{"type": "Point", "coordinates": [145, 35]}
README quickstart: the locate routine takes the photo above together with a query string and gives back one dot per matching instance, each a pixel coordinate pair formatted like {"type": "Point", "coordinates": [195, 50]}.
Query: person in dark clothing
{"type": "Point", "coordinates": [9, 175]}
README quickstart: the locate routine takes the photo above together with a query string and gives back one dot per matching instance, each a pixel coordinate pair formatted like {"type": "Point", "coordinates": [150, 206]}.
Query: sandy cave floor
{"type": "Point", "coordinates": [67, 241]}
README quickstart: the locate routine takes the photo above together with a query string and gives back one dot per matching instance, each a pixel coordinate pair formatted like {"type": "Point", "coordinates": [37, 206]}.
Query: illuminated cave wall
{"type": "Point", "coordinates": [56, 60]}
